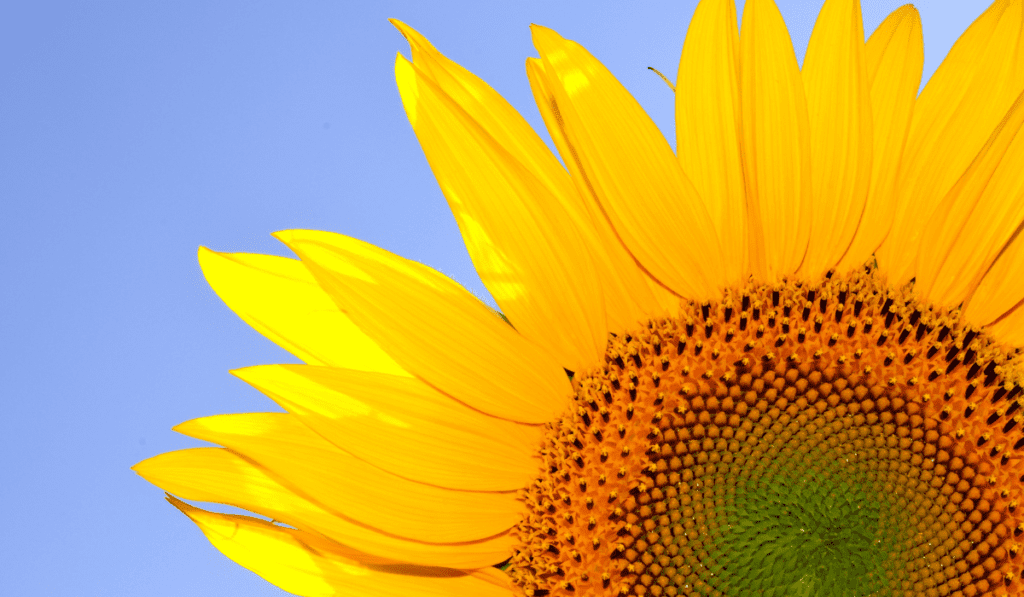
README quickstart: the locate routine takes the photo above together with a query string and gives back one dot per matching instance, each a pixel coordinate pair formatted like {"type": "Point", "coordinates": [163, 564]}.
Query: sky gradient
{"type": "Point", "coordinates": [131, 133]}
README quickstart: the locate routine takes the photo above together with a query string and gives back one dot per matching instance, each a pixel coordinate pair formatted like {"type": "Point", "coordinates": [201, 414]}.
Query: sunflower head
{"type": "Point", "coordinates": [791, 438]}
{"type": "Point", "coordinates": [782, 359]}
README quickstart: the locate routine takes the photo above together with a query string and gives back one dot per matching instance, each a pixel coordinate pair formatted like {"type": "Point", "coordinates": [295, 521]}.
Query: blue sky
{"type": "Point", "coordinates": [133, 132]}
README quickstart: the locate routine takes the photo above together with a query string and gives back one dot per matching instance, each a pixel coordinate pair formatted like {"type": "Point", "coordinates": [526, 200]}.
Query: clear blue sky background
{"type": "Point", "coordinates": [133, 132]}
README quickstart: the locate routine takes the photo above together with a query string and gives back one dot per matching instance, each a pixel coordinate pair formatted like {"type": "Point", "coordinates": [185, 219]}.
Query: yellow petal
{"type": "Point", "coordinates": [1009, 329]}
{"type": "Point", "coordinates": [997, 301]}
{"type": "Point", "coordinates": [839, 112]}
{"type": "Point", "coordinates": [626, 297]}
{"type": "Point", "coordinates": [436, 329]}
{"type": "Point", "coordinates": [976, 218]}
{"type": "Point", "coordinates": [306, 564]}
{"type": "Point", "coordinates": [404, 426]}
{"type": "Point", "coordinates": [524, 244]}
{"type": "Point", "coordinates": [776, 143]}
{"type": "Point", "coordinates": [316, 469]}
{"type": "Point", "coordinates": [895, 58]}
{"type": "Point", "coordinates": [281, 300]}
{"type": "Point", "coordinates": [217, 475]}
{"type": "Point", "coordinates": [960, 106]}
{"type": "Point", "coordinates": [630, 294]}
{"type": "Point", "coordinates": [708, 127]}
{"type": "Point", "coordinates": [1000, 293]}
{"type": "Point", "coordinates": [653, 208]}
{"type": "Point", "coordinates": [492, 113]}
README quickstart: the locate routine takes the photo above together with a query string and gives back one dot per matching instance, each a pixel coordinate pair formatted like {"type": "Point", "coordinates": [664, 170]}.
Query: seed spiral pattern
{"type": "Point", "coordinates": [836, 438]}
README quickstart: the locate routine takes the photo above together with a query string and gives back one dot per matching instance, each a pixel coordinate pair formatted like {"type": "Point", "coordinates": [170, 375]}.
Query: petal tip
{"type": "Point", "coordinates": [243, 373]}
{"type": "Point", "coordinates": [402, 66]}
{"type": "Point", "coordinates": [149, 468]}
{"type": "Point", "coordinates": [412, 36]}
{"type": "Point", "coordinates": [186, 509]}
{"type": "Point", "coordinates": [541, 33]}
{"type": "Point", "coordinates": [908, 10]}
{"type": "Point", "coordinates": [205, 255]}
{"type": "Point", "coordinates": [291, 237]}
{"type": "Point", "coordinates": [187, 428]}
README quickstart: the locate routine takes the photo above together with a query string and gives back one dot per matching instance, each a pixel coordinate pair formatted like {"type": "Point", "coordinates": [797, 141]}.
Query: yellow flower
{"type": "Point", "coordinates": [791, 345]}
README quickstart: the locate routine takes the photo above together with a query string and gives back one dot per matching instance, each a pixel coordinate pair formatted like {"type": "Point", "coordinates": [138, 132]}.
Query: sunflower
{"type": "Point", "coordinates": [781, 360]}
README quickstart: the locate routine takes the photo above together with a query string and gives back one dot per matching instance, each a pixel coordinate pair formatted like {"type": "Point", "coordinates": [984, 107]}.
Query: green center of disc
{"type": "Point", "coordinates": [812, 535]}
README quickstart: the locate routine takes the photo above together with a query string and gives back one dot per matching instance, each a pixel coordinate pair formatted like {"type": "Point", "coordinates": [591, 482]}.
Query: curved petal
{"type": "Point", "coordinates": [525, 246]}
{"type": "Point", "coordinates": [404, 426]}
{"type": "Point", "coordinates": [616, 272]}
{"type": "Point", "coordinates": [1010, 327]}
{"type": "Point", "coordinates": [997, 301]}
{"type": "Point", "coordinates": [708, 128]}
{"type": "Point", "coordinates": [218, 475]}
{"type": "Point", "coordinates": [492, 113]}
{"type": "Point", "coordinates": [960, 106]}
{"type": "Point", "coordinates": [279, 298]}
{"type": "Point", "coordinates": [653, 208]}
{"type": "Point", "coordinates": [630, 294]}
{"type": "Point", "coordinates": [895, 59]}
{"type": "Point", "coordinates": [435, 329]}
{"type": "Point", "coordinates": [839, 112]}
{"type": "Point", "coordinates": [776, 143]}
{"type": "Point", "coordinates": [308, 565]}
{"type": "Point", "coordinates": [976, 218]}
{"type": "Point", "coordinates": [314, 468]}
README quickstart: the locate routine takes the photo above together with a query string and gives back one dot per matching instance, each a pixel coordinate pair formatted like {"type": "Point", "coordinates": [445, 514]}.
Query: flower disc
{"type": "Point", "coordinates": [824, 439]}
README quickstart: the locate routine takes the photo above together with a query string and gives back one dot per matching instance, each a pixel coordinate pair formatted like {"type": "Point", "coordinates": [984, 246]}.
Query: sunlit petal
{"type": "Point", "coordinates": [624, 156]}
{"type": "Point", "coordinates": [776, 143]}
{"type": "Point", "coordinates": [435, 328]}
{"type": "Point", "coordinates": [305, 564]}
{"type": "Point", "coordinates": [960, 106]}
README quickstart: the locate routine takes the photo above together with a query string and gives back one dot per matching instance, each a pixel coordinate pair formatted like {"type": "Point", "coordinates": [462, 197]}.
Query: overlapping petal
{"type": "Point", "coordinates": [997, 301]}
{"type": "Point", "coordinates": [839, 112]}
{"type": "Point", "coordinates": [306, 564]}
{"type": "Point", "coordinates": [631, 295]}
{"type": "Point", "coordinates": [708, 127]}
{"type": "Point", "coordinates": [314, 468]}
{"type": "Point", "coordinates": [1009, 327]}
{"type": "Point", "coordinates": [218, 475]}
{"type": "Point", "coordinates": [435, 328]}
{"type": "Point", "coordinates": [960, 106]}
{"type": "Point", "coordinates": [623, 287]}
{"type": "Point", "coordinates": [493, 114]}
{"type": "Point", "coordinates": [975, 220]}
{"type": "Point", "coordinates": [526, 247]}
{"type": "Point", "coordinates": [776, 143]}
{"type": "Point", "coordinates": [895, 58]}
{"type": "Point", "coordinates": [623, 156]}
{"type": "Point", "coordinates": [1000, 296]}
{"type": "Point", "coordinates": [281, 300]}
{"type": "Point", "coordinates": [404, 426]}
